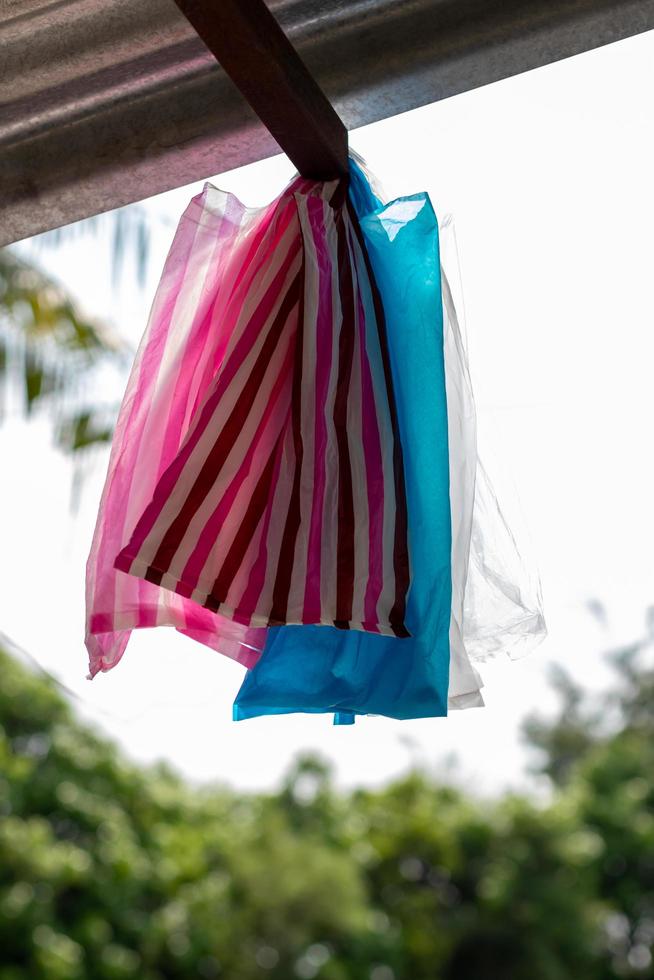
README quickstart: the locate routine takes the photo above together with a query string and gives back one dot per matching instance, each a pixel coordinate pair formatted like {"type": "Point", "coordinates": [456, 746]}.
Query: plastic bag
{"type": "Point", "coordinates": [286, 500]}
{"type": "Point", "coordinates": [497, 604]}
{"type": "Point", "coordinates": [184, 340]}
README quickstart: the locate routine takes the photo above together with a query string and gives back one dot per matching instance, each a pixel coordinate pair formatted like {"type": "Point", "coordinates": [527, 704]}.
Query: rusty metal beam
{"type": "Point", "coordinates": [251, 47]}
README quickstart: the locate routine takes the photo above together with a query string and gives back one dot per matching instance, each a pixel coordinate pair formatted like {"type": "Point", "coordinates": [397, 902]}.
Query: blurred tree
{"type": "Point", "coordinates": [129, 230]}
{"type": "Point", "coordinates": [54, 355]}
{"type": "Point", "coordinates": [563, 743]}
{"type": "Point", "coordinates": [113, 872]}
{"type": "Point", "coordinates": [604, 755]}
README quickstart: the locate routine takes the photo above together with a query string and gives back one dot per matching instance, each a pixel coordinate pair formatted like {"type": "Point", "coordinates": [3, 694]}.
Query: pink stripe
{"type": "Point", "coordinates": [148, 603]}
{"type": "Point", "coordinates": [243, 277]}
{"type": "Point", "coordinates": [146, 616]}
{"type": "Point", "coordinates": [240, 352]}
{"type": "Point", "coordinates": [209, 533]}
{"type": "Point", "coordinates": [196, 345]}
{"type": "Point", "coordinates": [112, 510]}
{"type": "Point", "coordinates": [101, 622]}
{"type": "Point", "coordinates": [232, 309]}
{"type": "Point", "coordinates": [324, 329]}
{"type": "Point", "coordinates": [249, 267]}
{"type": "Point", "coordinates": [374, 468]}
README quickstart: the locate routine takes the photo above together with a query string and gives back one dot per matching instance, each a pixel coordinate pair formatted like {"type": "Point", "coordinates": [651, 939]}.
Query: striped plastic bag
{"type": "Point", "coordinates": [256, 474]}
{"type": "Point", "coordinates": [286, 501]}
{"type": "Point", "coordinates": [184, 341]}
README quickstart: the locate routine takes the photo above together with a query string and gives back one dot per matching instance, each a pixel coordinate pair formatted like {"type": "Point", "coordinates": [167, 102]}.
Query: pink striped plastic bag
{"type": "Point", "coordinates": [256, 473]}
{"type": "Point", "coordinates": [286, 501]}
{"type": "Point", "coordinates": [184, 342]}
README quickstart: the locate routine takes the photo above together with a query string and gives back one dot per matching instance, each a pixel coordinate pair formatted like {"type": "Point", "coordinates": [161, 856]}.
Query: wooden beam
{"type": "Point", "coordinates": [254, 51]}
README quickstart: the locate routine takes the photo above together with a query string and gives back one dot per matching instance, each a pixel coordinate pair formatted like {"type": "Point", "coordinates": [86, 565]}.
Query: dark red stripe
{"type": "Point", "coordinates": [400, 541]}
{"type": "Point", "coordinates": [260, 498]}
{"type": "Point", "coordinates": [345, 538]}
{"type": "Point", "coordinates": [229, 368]}
{"type": "Point", "coordinates": [284, 572]}
{"type": "Point", "coordinates": [228, 436]}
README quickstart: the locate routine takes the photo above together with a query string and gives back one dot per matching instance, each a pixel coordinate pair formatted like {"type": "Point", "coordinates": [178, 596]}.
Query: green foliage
{"type": "Point", "coordinates": [563, 744]}
{"type": "Point", "coordinates": [112, 872]}
{"type": "Point", "coordinates": [54, 353]}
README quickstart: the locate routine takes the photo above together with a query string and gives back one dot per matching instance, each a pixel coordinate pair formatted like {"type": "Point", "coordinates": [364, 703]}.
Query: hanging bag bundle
{"type": "Point", "coordinates": [294, 479]}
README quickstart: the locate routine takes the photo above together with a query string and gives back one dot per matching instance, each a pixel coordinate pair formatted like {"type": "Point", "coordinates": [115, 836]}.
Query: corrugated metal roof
{"type": "Point", "coordinates": [105, 102]}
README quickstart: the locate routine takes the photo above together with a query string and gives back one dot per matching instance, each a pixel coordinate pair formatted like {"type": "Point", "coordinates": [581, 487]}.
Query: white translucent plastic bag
{"type": "Point", "coordinates": [496, 595]}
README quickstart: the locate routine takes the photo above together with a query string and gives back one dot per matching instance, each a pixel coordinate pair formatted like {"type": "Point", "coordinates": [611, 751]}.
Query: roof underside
{"type": "Point", "coordinates": [105, 102]}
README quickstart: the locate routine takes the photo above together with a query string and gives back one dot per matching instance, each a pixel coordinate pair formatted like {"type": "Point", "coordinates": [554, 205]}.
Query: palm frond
{"type": "Point", "coordinates": [129, 230]}
{"type": "Point", "coordinates": [52, 356]}
{"type": "Point", "coordinates": [86, 427]}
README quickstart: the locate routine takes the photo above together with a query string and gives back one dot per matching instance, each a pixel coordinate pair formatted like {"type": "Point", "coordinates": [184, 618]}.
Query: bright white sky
{"type": "Point", "coordinates": [549, 177]}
